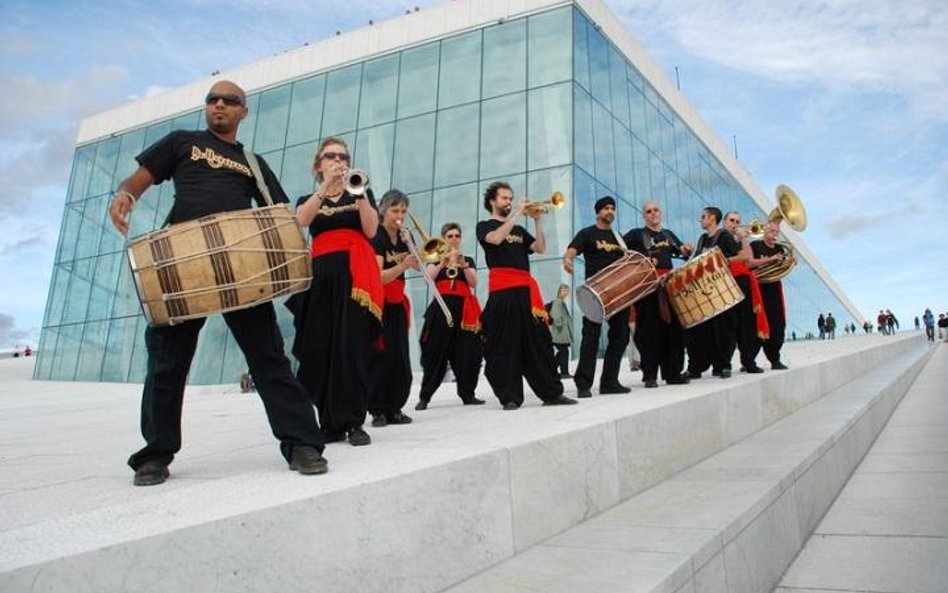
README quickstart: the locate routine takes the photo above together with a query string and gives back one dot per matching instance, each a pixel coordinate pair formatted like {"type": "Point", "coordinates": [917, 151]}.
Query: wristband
{"type": "Point", "coordinates": [131, 196]}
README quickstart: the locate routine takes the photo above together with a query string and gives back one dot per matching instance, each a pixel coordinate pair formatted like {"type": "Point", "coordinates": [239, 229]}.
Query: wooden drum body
{"type": "Point", "coordinates": [702, 288]}
{"type": "Point", "coordinates": [616, 287]}
{"type": "Point", "coordinates": [218, 263]}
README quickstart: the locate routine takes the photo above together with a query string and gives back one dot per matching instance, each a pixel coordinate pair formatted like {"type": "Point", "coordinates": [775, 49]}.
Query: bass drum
{"type": "Point", "coordinates": [702, 288]}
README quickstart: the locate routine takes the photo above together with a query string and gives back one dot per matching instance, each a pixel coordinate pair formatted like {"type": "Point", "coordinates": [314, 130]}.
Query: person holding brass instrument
{"type": "Point", "coordinates": [213, 173]}
{"type": "Point", "coordinates": [600, 246]}
{"type": "Point", "coordinates": [455, 277]}
{"type": "Point", "coordinates": [750, 319]}
{"type": "Point", "coordinates": [340, 318]}
{"type": "Point", "coordinates": [768, 251]}
{"type": "Point", "coordinates": [711, 343]}
{"type": "Point", "coordinates": [658, 334]}
{"type": "Point", "coordinates": [391, 366]}
{"type": "Point", "coordinates": [517, 342]}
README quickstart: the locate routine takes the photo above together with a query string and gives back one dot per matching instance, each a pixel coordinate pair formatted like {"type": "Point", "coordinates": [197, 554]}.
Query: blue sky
{"type": "Point", "coordinates": [846, 101]}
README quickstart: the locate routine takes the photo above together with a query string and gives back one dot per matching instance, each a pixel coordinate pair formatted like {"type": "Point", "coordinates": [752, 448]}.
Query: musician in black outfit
{"type": "Point", "coordinates": [211, 174]}
{"type": "Point", "coordinates": [455, 277]}
{"type": "Point", "coordinates": [339, 320]}
{"type": "Point", "coordinates": [599, 245]}
{"type": "Point", "coordinates": [711, 343]}
{"type": "Point", "coordinates": [391, 365]}
{"type": "Point", "coordinates": [517, 341]}
{"type": "Point", "coordinates": [768, 251]}
{"type": "Point", "coordinates": [748, 312]}
{"type": "Point", "coordinates": [658, 334]}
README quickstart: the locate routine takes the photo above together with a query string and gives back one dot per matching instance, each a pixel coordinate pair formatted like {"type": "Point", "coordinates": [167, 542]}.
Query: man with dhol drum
{"type": "Point", "coordinates": [749, 317]}
{"type": "Point", "coordinates": [212, 174]}
{"type": "Point", "coordinates": [658, 334]}
{"type": "Point", "coordinates": [599, 245]}
{"type": "Point", "coordinates": [711, 343]}
{"type": "Point", "coordinates": [768, 250]}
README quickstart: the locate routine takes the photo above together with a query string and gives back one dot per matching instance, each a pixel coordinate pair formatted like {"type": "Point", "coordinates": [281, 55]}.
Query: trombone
{"type": "Point", "coordinates": [555, 201]}
{"type": "Point", "coordinates": [433, 249]}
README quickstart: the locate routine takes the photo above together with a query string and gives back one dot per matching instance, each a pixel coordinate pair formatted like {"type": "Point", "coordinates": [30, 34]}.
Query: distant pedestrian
{"type": "Point", "coordinates": [561, 328]}
{"type": "Point", "coordinates": [830, 325]}
{"type": "Point", "coordinates": [821, 325]}
{"type": "Point", "coordinates": [916, 322]}
{"type": "Point", "coordinates": [929, 320]}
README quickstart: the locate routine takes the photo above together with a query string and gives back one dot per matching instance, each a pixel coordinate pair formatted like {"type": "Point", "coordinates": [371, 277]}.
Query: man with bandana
{"type": "Point", "coordinates": [600, 246]}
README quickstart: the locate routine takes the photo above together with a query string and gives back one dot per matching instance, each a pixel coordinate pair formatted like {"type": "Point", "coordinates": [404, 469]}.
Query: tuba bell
{"type": "Point", "coordinates": [790, 210]}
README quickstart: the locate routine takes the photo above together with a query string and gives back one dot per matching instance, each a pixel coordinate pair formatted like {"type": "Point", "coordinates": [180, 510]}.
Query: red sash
{"type": "Point", "coordinates": [363, 267]}
{"type": "Point", "coordinates": [504, 278]}
{"type": "Point", "coordinates": [471, 311]}
{"type": "Point", "coordinates": [741, 269]}
{"type": "Point", "coordinates": [395, 294]}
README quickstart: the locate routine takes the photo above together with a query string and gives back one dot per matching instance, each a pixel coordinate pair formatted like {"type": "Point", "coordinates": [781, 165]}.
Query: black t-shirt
{"type": "Point", "coordinates": [723, 240]}
{"type": "Point", "coordinates": [514, 252]}
{"type": "Point", "coordinates": [210, 175]}
{"type": "Point", "coordinates": [599, 248]}
{"type": "Point", "coordinates": [760, 249]}
{"type": "Point", "coordinates": [663, 245]}
{"type": "Point", "coordinates": [392, 252]}
{"type": "Point", "coordinates": [443, 274]}
{"type": "Point", "coordinates": [336, 215]}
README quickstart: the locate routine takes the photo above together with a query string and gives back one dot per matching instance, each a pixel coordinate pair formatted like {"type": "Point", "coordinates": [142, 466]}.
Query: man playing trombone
{"type": "Point", "coordinates": [455, 277]}
{"type": "Point", "coordinates": [517, 341]}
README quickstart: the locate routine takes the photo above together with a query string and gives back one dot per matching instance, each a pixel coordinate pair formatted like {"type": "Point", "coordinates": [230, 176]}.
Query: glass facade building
{"type": "Point", "coordinates": [544, 101]}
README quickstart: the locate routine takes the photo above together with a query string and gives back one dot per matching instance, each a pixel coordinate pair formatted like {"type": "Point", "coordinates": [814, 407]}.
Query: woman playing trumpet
{"type": "Point", "coordinates": [455, 277]}
{"type": "Point", "coordinates": [340, 316]}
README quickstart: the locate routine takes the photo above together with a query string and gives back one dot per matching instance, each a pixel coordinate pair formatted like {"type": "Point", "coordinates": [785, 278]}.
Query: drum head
{"type": "Point", "coordinates": [590, 304]}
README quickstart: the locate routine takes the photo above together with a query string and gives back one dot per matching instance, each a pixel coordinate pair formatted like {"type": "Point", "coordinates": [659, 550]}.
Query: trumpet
{"type": "Point", "coordinates": [452, 266]}
{"type": "Point", "coordinates": [535, 208]}
{"type": "Point", "coordinates": [356, 181]}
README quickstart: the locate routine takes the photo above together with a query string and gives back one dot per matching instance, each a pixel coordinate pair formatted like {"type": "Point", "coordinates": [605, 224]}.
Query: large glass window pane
{"type": "Point", "coordinates": [637, 114]}
{"type": "Point", "coordinates": [103, 285]}
{"type": "Point", "coordinates": [503, 135]}
{"type": "Point", "coordinates": [605, 151]}
{"type": "Point", "coordinates": [549, 44]}
{"type": "Point", "coordinates": [105, 157]}
{"type": "Point", "coordinates": [45, 353]}
{"type": "Point", "coordinates": [414, 153]}
{"type": "Point", "coordinates": [118, 350]}
{"type": "Point", "coordinates": [418, 81]}
{"type": "Point", "coordinates": [625, 174]}
{"type": "Point", "coordinates": [583, 132]}
{"type": "Point", "coordinates": [156, 132]}
{"type": "Point", "coordinates": [136, 370]}
{"type": "Point", "coordinates": [375, 153]}
{"type": "Point", "coordinates": [57, 294]}
{"type": "Point", "coordinates": [189, 121]}
{"type": "Point", "coordinates": [92, 351]}
{"type": "Point", "coordinates": [505, 58]}
{"type": "Point", "coordinates": [460, 204]}
{"type": "Point", "coordinates": [69, 234]}
{"type": "Point", "coordinates": [584, 198]}
{"type": "Point", "coordinates": [91, 227]}
{"type": "Point", "coordinates": [654, 135]}
{"type": "Point", "coordinates": [82, 164]}
{"type": "Point", "coordinates": [126, 301]}
{"type": "Point", "coordinates": [342, 94]}
{"type": "Point", "coordinates": [248, 126]}
{"type": "Point", "coordinates": [306, 110]}
{"type": "Point", "coordinates": [640, 162]}
{"type": "Point", "coordinates": [460, 78]}
{"type": "Point", "coordinates": [296, 175]}
{"type": "Point", "coordinates": [80, 283]}
{"type": "Point", "coordinates": [580, 50]}
{"type": "Point", "coordinates": [557, 225]}
{"type": "Point", "coordinates": [599, 68]}
{"type": "Point", "coordinates": [131, 146]}
{"type": "Point", "coordinates": [619, 86]}
{"type": "Point", "coordinates": [379, 91]}
{"type": "Point", "coordinates": [657, 190]}
{"type": "Point", "coordinates": [272, 116]}
{"type": "Point", "coordinates": [456, 145]}
{"type": "Point", "coordinates": [67, 353]}
{"type": "Point", "coordinates": [550, 126]}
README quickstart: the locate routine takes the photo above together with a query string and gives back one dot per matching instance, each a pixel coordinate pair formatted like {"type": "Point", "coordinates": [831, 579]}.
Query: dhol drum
{"type": "Point", "coordinates": [219, 263]}
{"type": "Point", "coordinates": [702, 288]}
{"type": "Point", "coordinates": [616, 287]}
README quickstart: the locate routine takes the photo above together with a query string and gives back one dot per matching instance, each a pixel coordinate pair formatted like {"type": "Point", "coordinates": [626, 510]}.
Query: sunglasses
{"type": "Point", "coordinates": [452, 235]}
{"type": "Point", "coordinates": [331, 156]}
{"type": "Point", "coordinates": [650, 210]}
{"type": "Point", "coordinates": [229, 100]}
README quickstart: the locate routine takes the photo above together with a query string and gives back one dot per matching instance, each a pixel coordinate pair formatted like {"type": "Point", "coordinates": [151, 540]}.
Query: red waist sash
{"type": "Point", "coordinates": [471, 311]}
{"type": "Point", "coordinates": [739, 268]}
{"type": "Point", "coordinates": [363, 267]}
{"type": "Point", "coordinates": [504, 278]}
{"type": "Point", "coordinates": [395, 294]}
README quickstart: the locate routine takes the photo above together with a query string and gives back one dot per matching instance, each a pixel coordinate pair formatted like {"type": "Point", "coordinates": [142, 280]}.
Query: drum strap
{"type": "Point", "coordinates": [258, 175]}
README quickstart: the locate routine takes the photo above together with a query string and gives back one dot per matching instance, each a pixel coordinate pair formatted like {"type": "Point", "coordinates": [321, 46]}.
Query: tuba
{"type": "Point", "coordinates": [789, 209]}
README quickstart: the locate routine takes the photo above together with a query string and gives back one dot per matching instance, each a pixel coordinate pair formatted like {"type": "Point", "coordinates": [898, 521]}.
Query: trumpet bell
{"type": "Point", "coordinates": [357, 181]}
{"type": "Point", "coordinates": [556, 200]}
{"type": "Point", "coordinates": [789, 208]}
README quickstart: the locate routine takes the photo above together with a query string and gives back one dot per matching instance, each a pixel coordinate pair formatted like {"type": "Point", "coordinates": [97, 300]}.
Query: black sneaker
{"type": "Point", "coordinates": [358, 437]}
{"type": "Point", "coordinates": [613, 388]}
{"type": "Point", "coordinates": [151, 473]}
{"type": "Point", "coordinates": [379, 421]}
{"type": "Point", "coordinates": [583, 392]}
{"type": "Point", "coordinates": [399, 418]}
{"type": "Point", "coordinates": [560, 401]}
{"type": "Point", "coordinates": [725, 374]}
{"type": "Point", "coordinates": [651, 383]}
{"type": "Point", "coordinates": [511, 406]}
{"type": "Point", "coordinates": [421, 405]}
{"type": "Point", "coordinates": [307, 460]}
{"type": "Point", "coordinates": [678, 380]}
{"type": "Point", "coordinates": [754, 370]}
{"type": "Point", "coordinates": [474, 401]}
{"type": "Point", "coordinates": [693, 375]}
{"type": "Point", "coordinates": [779, 366]}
